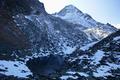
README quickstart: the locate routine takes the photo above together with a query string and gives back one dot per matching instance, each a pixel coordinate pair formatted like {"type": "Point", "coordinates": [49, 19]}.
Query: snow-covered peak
{"type": "Point", "coordinates": [71, 8]}
{"type": "Point", "coordinates": [72, 14]}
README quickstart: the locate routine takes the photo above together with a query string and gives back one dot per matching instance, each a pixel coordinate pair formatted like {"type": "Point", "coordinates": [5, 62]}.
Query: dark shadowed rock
{"type": "Point", "coordinates": [21, 6]}
{"type": "Point", "coordinates": [47, 66]}
{"type": "Point", "coordinates": [11, 37]}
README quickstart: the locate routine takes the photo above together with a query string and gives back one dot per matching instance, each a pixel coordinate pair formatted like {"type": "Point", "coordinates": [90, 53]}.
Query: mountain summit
{"type": "Point", "coordinates": [74, 15]}
{"type": "Point", "coordinates": [90, 26]}
{"type": "Point", "coordinates": [69, 9]}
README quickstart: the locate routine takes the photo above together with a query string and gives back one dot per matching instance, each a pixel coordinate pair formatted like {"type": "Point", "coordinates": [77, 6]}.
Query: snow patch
{"type": "Point", "coordinates": [80, 73]}
{"type": "Point", "coordinates": [84, 48]}
{"type": "Point", "coordinates": [97, 57]}
{"type": "Point", "coordinates": [117, 38]}
{"type": "Point", "coordinates": [103, 70]}
{"type": "Point", "coordinates": [65, 77]}
{"type": "Point", "coordinates": [71, 73]}
{"type": "Point", "coordinates": [68, 49]}
{"type": "Point", "coordinates": [29, 18]}
{"type": "Point", "coordinates": [15, 68]}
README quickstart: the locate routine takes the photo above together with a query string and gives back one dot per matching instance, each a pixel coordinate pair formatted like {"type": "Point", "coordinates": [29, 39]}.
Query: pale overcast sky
{"type": "Point", "coordinates": [105, 11]}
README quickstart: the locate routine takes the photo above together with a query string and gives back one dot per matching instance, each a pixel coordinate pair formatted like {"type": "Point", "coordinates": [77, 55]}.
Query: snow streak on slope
{"type": "Point", "coordinates": [117, 38]}
{"type": "Point", "coordinates": [97, 33]}
{"type": "Point", "coordinates": [86, 47]}
{"type": "Point", "coordinates": [97, 57]}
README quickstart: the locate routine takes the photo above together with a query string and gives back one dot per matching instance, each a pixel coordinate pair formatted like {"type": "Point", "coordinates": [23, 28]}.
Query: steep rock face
{"type": "Point", "coordinates": [35, 32]}
{"type": "Point", "coordinates": [11, 37]}
{"type": "Point", "coordinates": [91, 27]}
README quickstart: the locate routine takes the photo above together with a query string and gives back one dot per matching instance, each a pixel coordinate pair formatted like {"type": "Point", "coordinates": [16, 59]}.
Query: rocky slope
{"type": "Point", "coordinates": [44, 34]}
{"type": "Point", "coordinates": [99, 61]}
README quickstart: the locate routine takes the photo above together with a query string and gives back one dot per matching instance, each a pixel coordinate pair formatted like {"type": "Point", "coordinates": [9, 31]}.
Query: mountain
{"type": "Point", "coordinates": [35, 31]}
{"type": "Point", "coordinates": [91, 27]}
{"type": "Point", "coordinates": [37, 45]}
{"type": "Point", "coordinates": [99, 62]}
{"type": "Point", "coordinates": [27, 31]}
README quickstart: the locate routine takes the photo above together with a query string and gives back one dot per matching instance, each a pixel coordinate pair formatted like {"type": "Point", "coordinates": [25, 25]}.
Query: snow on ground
{"type": "Point", "coordinates": [83, 74]}
{"type": "Point", "coordinates": [114, 66]}
{"type": "Point", "coordinates": [97, 57]}
{"type": "Point", "coordinates": [71, 73]}
{"type": "Point", "coordinates": [80, 73]}
{"type": "Point", "coordinates": [117, 38]}
{"type": "Point", "coordinates": [84, 48]}
{"type": "Point", "coordinates": [15, 68]}
{"type": "Point", "coordinates": [103, 70]}
{"type": "Point", "coordinates": [68, 50]}
{"type": "Point", "coordinates": [65, 77]}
